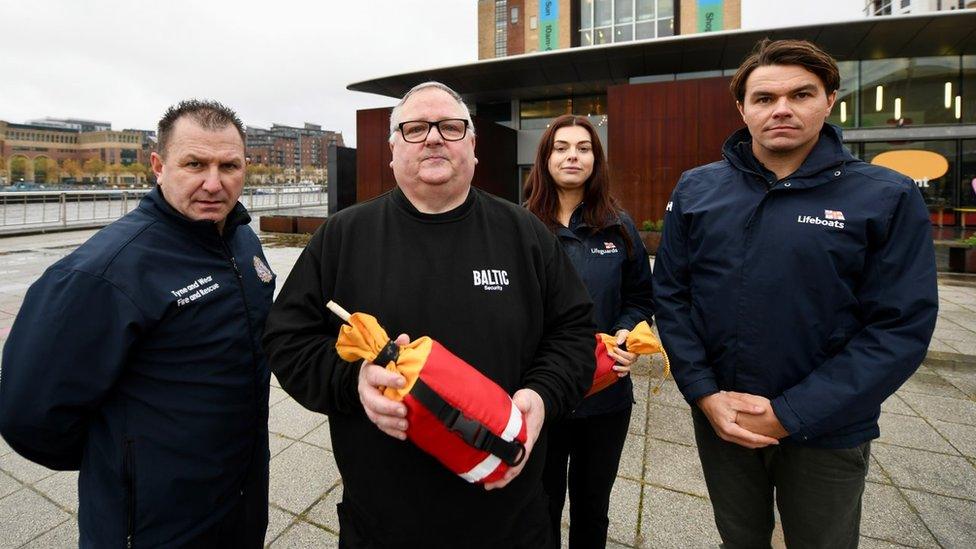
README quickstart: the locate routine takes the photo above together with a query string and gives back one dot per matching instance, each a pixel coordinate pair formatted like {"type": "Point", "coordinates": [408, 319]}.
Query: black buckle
{"type": "Point", "coordinates": [389, 353]}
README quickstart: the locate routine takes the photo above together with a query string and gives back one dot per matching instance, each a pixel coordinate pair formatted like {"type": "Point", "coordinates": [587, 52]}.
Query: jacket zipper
{"type": "Point", "coordinates": [250, 329]}
{"type": "Point", "coordinates": [128, 470]}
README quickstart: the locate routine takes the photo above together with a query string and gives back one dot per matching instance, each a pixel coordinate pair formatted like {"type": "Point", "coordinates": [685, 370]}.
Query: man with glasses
{"type": "Point", "coordinates": [485, 278]}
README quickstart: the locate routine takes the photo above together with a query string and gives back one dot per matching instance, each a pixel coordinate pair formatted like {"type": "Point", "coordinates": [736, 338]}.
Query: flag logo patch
{"type": "Point", "coordinates": [834, 214]}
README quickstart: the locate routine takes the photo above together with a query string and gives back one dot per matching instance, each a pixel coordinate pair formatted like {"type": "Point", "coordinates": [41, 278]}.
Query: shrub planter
{"type": "Point", "coordinates": [278, 223]}
{"type": "Point", "coordinates": [308, 224]}
{"type": "Point", "coordinates": [962, 259]}
{"type": "Point", "coordinates": [651, 239]}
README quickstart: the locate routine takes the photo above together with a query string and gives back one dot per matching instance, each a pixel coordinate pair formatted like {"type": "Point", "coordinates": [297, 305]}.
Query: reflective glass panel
{"type": "Point", "coordinates": [645, 10]}
{"type": "Point", "coordinates": [938, 191]}
{"type": "Point", "coordinates": [586, 14]}
{"type": "Point", "coordinates": [623, 33]}
{"type": "Point", "coordinates": [665, 8]}
{"type": "Point", "coordinates": [966, 97]}
{"type": "Point", "coordinates": [909, 91]}
{"type": "Point", "coordinates": [665, 27]}
{"type": "Point", "coordinates": [967, 194]}
{"type": "Point", "coordinates": [645, 30]}
{"type": "Point", "coordinates": [623, 11]}
{"type": "Point", "coordinates": [846, 106]}
{"type": "Point", "coordinates": [602, 13]}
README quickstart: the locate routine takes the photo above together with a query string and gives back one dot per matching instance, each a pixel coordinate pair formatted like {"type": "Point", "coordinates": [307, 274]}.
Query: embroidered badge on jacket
{"type": "Point", "coordinates": [264, 273]}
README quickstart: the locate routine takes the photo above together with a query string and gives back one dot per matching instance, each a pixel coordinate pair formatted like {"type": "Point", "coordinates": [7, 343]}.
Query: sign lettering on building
{"type": "Point", "coordinates": [548, 25]}
{"type": "Point", "coordinates": [710, 15]}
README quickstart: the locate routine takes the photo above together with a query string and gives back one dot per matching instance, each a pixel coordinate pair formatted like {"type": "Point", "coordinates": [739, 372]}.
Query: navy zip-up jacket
{"type": "Point", "coordinates": [137, 360]}
{"type": "Point", "coordinates": [618, 280]}
{"type": "Point", "coordinates": [818, 292]}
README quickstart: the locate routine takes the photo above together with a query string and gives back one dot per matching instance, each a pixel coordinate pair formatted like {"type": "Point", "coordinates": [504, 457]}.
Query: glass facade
{"type": "Point", "coordinates": [538, 114]}
{"type": "Point", "coordinates": [938, 192]}
{"type": "Point", "coordinates": [608, 21]}
{"type": "Point", "coordinates": [917, 91]}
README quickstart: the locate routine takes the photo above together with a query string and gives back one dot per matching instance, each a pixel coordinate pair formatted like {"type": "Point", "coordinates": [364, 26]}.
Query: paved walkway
{"type": "Point", "coordinates": [921, 489]}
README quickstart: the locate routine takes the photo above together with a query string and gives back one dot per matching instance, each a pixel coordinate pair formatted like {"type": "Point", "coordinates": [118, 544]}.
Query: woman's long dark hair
{"type": "Point", "coordinates": [600, 209]}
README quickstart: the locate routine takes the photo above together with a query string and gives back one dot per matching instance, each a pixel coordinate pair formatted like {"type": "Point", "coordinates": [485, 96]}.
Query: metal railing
{"type": "Point", "coordinates": [30, 211]}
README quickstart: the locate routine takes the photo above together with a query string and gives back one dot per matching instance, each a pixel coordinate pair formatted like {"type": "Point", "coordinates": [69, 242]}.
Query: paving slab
{"type": "Point", "coordinates": [875, 472]}
{"type": "Point", "coordinates": [24, 515]}
{"type": "Point", "coordinates": [293, 420]}
{"type": "Point", "coordinates": [8, 485]}
{"type": "Point", "coordinates": [278, 521]}
{"type": "Point", "coordinates": [23, 470]}
{"type": "Point", "coordinates": [886, 515]}
{"type": "Point", "coordinates": [675, 520]}
{"type": "Point", "coordinates": [912, 432]}
{"type": "Point", "coordinates": [927, 471]}
{"type": "Point", "coordinates": [895, 405]}
{"type": "Point", "coordinates": [962, 437]}
{"type": "Point", "coordinates": [278, 443]}
{"type": "Point", "coordinates": [62, 488]}
{"type": "Point", "coordinates": [324, 513]}
{"type": "Point", "coordinates": [931, 383]}
{"type": "Point", "coordinates": [625, 499]}
{"type": "Point", "coordinates": [300, 475]}
{"type": "Point", "coordinates": [953, 410]}
{"type": "Point", "coordinates": [302, 535]}
{"type": "Point", "coordinates": [674, 466]}
{"type": "Point", "coordinates": [63, 535]}
{"type": "Point", "coordinates": [670, 423]}
{"type": "Point", "coordinates": [632, 458]}
{"type": "Point", "coordinates": [320, 436]}
{"type": "Point", "coordinates": [953, 521]}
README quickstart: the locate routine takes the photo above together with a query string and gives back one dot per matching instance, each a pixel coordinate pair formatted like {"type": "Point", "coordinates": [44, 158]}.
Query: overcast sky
{"type": "Point", "coordinates": [274, 61]}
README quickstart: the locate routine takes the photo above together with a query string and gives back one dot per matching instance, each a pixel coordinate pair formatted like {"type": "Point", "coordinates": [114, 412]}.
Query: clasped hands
{"type": "Point", "coordinates": [741, 418]}
{"type": "Point", "coordinates": [390, 416]}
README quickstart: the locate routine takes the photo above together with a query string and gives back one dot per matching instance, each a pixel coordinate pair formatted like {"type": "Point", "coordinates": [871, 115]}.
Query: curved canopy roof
{"type": "Point", "coordinates": [583, 70]}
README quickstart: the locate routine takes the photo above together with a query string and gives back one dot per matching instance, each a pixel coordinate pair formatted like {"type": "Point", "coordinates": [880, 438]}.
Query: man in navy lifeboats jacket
{"type": "Point", "coordinates": [137, 358]}
{"type": "Point", "coordinates": [796, 291]}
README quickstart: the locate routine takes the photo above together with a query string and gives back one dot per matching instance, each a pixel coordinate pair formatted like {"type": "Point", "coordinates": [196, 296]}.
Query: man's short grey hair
{"type": "Point", "coordinates": [395, 115]}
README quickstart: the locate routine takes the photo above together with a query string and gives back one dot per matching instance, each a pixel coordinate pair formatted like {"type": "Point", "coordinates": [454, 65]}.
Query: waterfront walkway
{"type": "Point", "coordinates": [921, 489]}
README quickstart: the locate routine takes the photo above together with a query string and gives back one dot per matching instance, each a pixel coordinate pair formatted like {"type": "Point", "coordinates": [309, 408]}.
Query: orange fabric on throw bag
{"type": "Point", "coordinates": [454, 412]}
{"type": "Point", "coordinates": [641, 340]}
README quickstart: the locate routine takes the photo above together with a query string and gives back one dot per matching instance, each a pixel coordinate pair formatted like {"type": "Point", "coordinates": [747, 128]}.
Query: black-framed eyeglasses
{"type": "Point", "coordinates": [416, 131]}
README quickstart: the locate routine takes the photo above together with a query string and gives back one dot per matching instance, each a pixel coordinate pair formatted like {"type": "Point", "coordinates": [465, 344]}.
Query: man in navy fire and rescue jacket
{"type": "Point", "coordinates": [137, 359]}
{"type": "Point", "coordinates": [796, 291]}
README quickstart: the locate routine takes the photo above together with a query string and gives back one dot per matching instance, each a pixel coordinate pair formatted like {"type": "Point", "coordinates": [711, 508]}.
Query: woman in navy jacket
{"type": "Point", "coordinates": [568, 189]}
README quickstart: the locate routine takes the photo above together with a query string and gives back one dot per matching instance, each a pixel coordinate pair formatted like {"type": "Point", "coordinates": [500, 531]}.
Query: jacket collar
{"type": "Point", "coordinates": [155, 204]}
{"type": "Point", "coordinates": [827, 158]}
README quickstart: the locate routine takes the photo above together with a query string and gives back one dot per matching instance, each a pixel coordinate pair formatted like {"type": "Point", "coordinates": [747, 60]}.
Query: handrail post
{"type": "Point", "coordinates": [64, 209]}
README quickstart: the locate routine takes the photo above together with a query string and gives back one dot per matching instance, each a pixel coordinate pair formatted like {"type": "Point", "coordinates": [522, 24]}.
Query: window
{"type": "Point", "coordinates": [909, 91]}
{"type": "Point", "coordinates": [846, 105]}
{"type": "Point", "coordinates": [938, 192]}
{"type": "Point", "coordinates": [501, 28]}
{"type": "Point", "coordinates": [538, 114]}
{"type": "Point", "coordinates": [605, 21]}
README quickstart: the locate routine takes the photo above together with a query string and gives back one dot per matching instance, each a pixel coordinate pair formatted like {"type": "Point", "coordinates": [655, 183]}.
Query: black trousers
{"type": "Point", "coordinates": [818, 491]}
{"type": "Point", "coordinates": [592, 448]}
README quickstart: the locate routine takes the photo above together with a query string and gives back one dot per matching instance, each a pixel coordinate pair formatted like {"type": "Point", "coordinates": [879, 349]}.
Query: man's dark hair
{"type": "Point", "coordinates": [211, 115]}
{"type": "Point", "coordinates": [787, 52]}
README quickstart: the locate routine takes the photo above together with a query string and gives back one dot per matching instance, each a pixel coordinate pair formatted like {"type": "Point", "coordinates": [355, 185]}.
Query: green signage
{"type": "Point", "coordinates": [548, 25]}
{"type": "Point", "coordinates": [709, 15]}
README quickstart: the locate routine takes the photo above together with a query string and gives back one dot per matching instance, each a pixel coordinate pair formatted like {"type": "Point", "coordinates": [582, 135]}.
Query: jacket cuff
{"type": "Point", "coordinates": [789, 418]}
{"type": "Point", "coordinates": [548, 401]}
{"type": "Point", "coordinates": [701, 388]}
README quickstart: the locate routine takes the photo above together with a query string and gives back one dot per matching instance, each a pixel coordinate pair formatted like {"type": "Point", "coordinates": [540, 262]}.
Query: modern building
{"type": "Point", "coordinates": [60, 149]}
{"type": "Point", "coordinates": [663, 105]}
{"type": "Point", "coordinates": [513, 27]}
{"type": "Point", "coordinates": [72, 124]}
{"type": "Point", "coordinates": [293, 153]}
{"type": "Point", "coordinates": [904, 7]}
